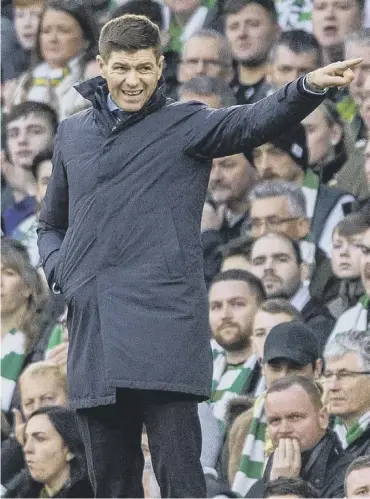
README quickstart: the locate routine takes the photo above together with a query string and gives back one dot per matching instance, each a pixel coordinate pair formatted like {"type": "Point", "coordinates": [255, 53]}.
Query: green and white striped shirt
{"type": "Point", "coordinates": [12, 360]}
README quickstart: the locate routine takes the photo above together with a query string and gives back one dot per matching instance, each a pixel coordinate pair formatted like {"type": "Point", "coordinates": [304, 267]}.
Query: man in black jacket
{"type": "Point", "coordinates": [298, 425]}
{"type": "Point", "coordinates": [119, 236]}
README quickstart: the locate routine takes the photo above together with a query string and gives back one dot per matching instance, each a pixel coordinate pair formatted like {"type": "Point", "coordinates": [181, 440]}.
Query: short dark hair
{"type": "Point", "coordinates": [357, 464]}
{"type": "Point", "coordinates": [148, 8]}
{"type": "Point", "coordinates": [283, 486]}
{"type": "Point", "coordinates": [209, 85]}
{"type": "Point", "coordinates": [352, 224]}
{"type": "Point", "coordinates": [276, 306]}
{"type": "Point", "coordinates": [307, 384]}
{"type": "Point", "coordinates": [254, 284]}
{"type": "Point", "coordinates": [294, 244]}
{"type": "Point", "coordinates": [29, 107]}
{"type": "Point", "coordinates": [129, 33]}
{"type": "Point", "coordinates": [45, 155]}
{"type": "Point", "coordinates": [298, 41]}
{"type": "Point", "coordinates": [235, 6]}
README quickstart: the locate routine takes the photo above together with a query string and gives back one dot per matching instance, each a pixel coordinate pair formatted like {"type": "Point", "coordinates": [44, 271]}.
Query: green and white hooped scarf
{"type": "Point", "coordinates": [253, 455]}
{"type": "Point", "coordinates": [228, 381]}
{"type": "Point", "coordinates": [349, 435]}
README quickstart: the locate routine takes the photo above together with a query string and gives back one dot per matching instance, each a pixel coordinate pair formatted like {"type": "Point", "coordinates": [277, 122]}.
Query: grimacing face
{"type": "Point", "coordinates": [44, 450]}
{"type": "Point", "coordinates": [132, 77]}
{"type": "Point", "coordinates": [263, 323]}
{"type": "Point", "coordinates": [274, 262]}
{"type": "Point", "coordinates": [288, 65]}
{"type": "Point", "coordinates": [39, 390]}
{"type": "Point", "coordinates": [291, 414]}
{"type": "Point", "coordinates": [232, 307]}
{"type": "Point", "coordinates": [251, 33]}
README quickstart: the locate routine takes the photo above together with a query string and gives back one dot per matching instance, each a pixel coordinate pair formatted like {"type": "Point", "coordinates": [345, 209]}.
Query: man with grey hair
{"type": "Point", "coordinates": [212, 91]}
{"type": "Point", "coordinates": [347, 380]}
{"type": "Point", "coordinates": [205, 53]}
{"type": "Point", "coordinates": [357, 479]}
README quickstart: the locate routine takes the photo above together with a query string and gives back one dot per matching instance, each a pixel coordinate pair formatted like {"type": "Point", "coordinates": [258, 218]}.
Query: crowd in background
{"type": "Point", "coordinates": [285, 234]}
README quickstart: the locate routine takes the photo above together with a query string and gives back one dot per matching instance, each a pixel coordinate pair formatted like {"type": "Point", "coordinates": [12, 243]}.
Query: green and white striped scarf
{"type": "Point", "coordinates": [228, 381]}
{"type": "Point", "coordinates": [253, 455]}
{"type": "Point", "coordinates": [349, 435]}
{"type": "Point", "coordinates": [12, 360]}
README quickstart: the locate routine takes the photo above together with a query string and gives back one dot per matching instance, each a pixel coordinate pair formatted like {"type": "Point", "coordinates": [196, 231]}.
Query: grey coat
{"type": "Point", "coordinates": [119, 233]}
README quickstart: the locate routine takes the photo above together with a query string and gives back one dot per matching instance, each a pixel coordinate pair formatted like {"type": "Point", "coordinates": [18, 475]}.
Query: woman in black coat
{"type": "Point", "coordinates": [54, 455]}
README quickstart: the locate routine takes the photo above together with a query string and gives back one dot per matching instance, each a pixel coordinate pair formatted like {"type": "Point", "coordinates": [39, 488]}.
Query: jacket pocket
{"type": "Point", "coordinates": [63, 252]}
{"type": "Point", "coordinates": [172, 250]}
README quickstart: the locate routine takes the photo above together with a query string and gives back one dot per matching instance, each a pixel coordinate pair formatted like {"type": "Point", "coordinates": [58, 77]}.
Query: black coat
{"type": "Point", "coordinates": [321, 467]}
{"type": "Point", "coordinates": [120, 234]}
{"type": "Point", "coordinates": [24, 486]}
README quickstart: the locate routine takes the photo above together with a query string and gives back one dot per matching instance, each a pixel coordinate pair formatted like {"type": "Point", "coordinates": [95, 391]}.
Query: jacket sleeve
{"type": "Point", "coordinates": [53, 220]}
{"type": "Point", "coordinates": [223, 132]}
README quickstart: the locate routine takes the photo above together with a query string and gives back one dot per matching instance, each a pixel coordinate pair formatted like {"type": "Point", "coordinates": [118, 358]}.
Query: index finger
{"type": "Point", "coordinates": [349, 63]}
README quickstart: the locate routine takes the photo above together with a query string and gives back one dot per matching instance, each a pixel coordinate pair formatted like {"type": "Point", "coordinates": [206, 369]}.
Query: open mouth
{"type": "Point", "coordinates": [330, 30]}
{"type": "Point", "coordinates": [132, 93]}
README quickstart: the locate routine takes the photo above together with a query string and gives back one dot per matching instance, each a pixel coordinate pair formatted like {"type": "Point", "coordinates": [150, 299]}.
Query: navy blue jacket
{"type": "Point", "coordinates": [120, 234]}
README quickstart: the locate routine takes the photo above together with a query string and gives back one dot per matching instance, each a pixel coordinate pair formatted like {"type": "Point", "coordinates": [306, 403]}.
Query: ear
{"type": "Point", "coordinates": [304, 226]}
{"type": "Point", "coordinates": [305, 272]}
{"type": "Point", "coordinates": [160, 66]}
{"type": "Point", "coordinates": [336, 134]}
{"type": "Point", "coordinates": [102, 65]}
{"type": "Point", "coordinates": [324, 418]}
{"type": "Point", "coordinates": [318, 368]}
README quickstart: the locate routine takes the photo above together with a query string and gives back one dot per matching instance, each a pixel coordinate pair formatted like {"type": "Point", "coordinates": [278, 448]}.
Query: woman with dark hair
{"type": "Point", "coordinates": [54, 455]}
{"type": "Point", "coordinates": [66, 43]}
{"type": "Point", "coordinates": [23, 301]}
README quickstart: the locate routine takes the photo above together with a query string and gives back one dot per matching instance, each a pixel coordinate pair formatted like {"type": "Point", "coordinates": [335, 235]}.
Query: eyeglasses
{"type": "Point", "coordinates": [342, 375]}
{"type": "Point", "coordinates": [270, 222]}
{"type": "Point", "coordinates": [206, 62]}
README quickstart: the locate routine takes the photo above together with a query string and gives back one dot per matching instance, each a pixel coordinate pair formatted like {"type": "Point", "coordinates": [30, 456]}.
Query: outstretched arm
{"type": "Point", "coordinates": [223, 132]}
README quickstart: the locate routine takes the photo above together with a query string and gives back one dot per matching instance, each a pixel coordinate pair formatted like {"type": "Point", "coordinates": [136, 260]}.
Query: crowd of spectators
{"type": "Point", "coordinates": [285, 234]}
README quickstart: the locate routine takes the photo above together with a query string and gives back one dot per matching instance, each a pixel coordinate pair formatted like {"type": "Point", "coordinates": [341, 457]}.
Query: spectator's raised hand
{"type": "Point", "coordinates": [59, 354]}
{"type": "Point", "coordinates": [287, 459]}
{"type": "Point", "coordinates": [338, 74]}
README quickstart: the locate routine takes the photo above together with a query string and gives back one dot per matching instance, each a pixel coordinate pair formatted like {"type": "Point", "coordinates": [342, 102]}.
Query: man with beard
{"type": "Point", "coordinates": [276, 260]}
{"type": "Point", "coordinates": [251, 27]}
{"type": "Point", "coordinates": [358, 317]}
{"type": "Point", "coordinates": [234, 298]}
{"type": "Point", "coordinates": [286, 158]}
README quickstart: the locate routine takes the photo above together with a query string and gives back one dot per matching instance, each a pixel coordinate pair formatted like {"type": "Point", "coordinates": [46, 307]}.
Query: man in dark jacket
{"type": "Point", "coordinates": [119, 235]}
{"type": "Point", "coordinates": [298, 424]}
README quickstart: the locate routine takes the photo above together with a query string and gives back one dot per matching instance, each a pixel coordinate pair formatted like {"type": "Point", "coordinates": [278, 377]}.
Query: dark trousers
{"type": "Point", "coordinates": [112, 438]}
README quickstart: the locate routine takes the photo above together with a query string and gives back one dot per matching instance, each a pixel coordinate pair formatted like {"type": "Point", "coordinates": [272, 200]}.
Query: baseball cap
{"type": "Point", "coordinates": [293, 341]}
